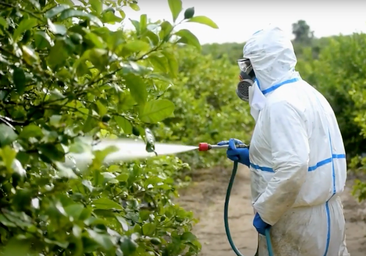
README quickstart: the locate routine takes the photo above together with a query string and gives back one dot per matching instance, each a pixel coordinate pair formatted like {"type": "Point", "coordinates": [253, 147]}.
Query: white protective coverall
{"type": "Point", "coordinates": [298, 165]}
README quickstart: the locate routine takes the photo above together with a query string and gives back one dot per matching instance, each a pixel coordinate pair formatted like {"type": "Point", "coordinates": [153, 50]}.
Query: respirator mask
{"type": "Point", "coordinates": [246, 77]}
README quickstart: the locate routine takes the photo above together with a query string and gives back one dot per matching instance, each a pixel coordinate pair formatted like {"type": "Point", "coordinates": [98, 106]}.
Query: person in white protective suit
{"type": "Point", "coordinates": [296, 156]}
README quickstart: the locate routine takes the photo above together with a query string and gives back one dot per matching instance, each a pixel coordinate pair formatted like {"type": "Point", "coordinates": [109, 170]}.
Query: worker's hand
{"type": "Point", "coordinates": [237, 154]}
{"type": "Point", "coordinates": [260, 225]}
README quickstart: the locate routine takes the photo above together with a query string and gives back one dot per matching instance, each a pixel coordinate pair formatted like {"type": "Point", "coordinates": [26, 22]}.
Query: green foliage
{"type": "Point", "coordinates": [358, 169]}
{"type": "Point", "coordinates": [207, 108]}
{"type": "Point", "coordinates": [339, 75]}
{"type": "Point", "coordinates": [65, 74]}
{"type": "Point", "coordinates": [232, 51]}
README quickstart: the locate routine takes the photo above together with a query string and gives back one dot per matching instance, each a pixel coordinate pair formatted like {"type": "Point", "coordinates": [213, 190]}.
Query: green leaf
{"type": "Point", "coordinates": [103, 240]}
{"type": "Point", "coordinates": [175, 8]}
{"type": "Point", "coordinates": [102, 110]}
{"type": "Point", "coordinates": [52, 151]}
{"type": "Point", "coordinates": [71, 13]}
{"type": "Point", "coordinates": [24, 25]}
{"type": "Point", "coordinates": [65, 172]}
{"type": "Point", "coordinates": [57, 55]}
{"type": "Point", "coordinates": [158, 61]}
{"type": "Point", "coordinates": [156, 110]}
{"type": "Point", "coordinates": [88, 185]}
{"type": "Point", "coordinates": [97, 5]}
{"type": "Point", "coordinates": [6, 222]}
{"type": "Point", "coordinates": [109, 17]}
{"type": "Point", "coordinates": [203, 20]}
{"type": "Point", "coordinates": [96, 40]}
{"type": "Point", "coordinates": [122, 13]}
{"type": "Point", "coordinates": [148, 229]}
{"type": "Point", "coordinates": [143, 23]}
{"type": "Point", "coordinates": [57, 29]}
{"type": "Point", "coordinates": [99, 57]}
{"type": "Point", "coordinates": [137, 46]}
{"type": "Point", "coordinates": [100, 155]}
{"type": "Point", "coordinates": [125, 101]}
{"type": "Point", "coordinates": [153, 38]}
{"type": "Point", "coordinates": [3, 23]}
{"type": "Point", "coordinates": [122, 177]}
{"type": "Point", "coordinates": [188, 237]}
{"type": "Point", "coordinates": [13, 165]}
{"type": "Point", "coordinates": [68, 2]}
{"type": "Point", "coordinates": [137, 87]}
{"type": "Point", "coordinates": [128, 246]}
{"type": "Point", "coordinates": [35, 4]}
{"type": "Point", "coordinates": [172, 62]}
{"type": "Point", "coordinates": [7, 135]}
{"type": "Point", "coordinates": [134, 7]}
{"type": "Point", "coordinates": [166, 29]}
{"type": "Point", "coordinates": [159, 77]}
{"type": "Point", "coordinates": [30, 131]}
{"type": "Point", "coordinates": [55, 120]}
{"type": "Point", "coordinates": [123, 222]}
{"type": "Point", "coordinates": [56, 95]}
{"type": "Point", "coordinates": [189, 13]}
{"type": "Point", "coordinates": [19, 80]}
{"type": "Point", "coordinates": [115, 40]}
{"type": "Point", "coordinates": [124, 124]}
{"type": "Point", "coordinates": [74, 210]}
{"type": "Point", "coordinates": [136, 24]}
{"type": "Point", "coordinates": [89, 123]}
{"type": "Point", "coordinates": [21, 219]}
{"type": "Point", "coordinates": [188, 37]}
{"type": "Point", "coordinates": [29, 55]}
{"type": "Point", "coordinates": [14, 247]}
{"type": "Point", "coordinates": [105, 203]}
{"type": "Point", "coordinates": [42, 40]}
{"type": "Point", "coordinates": [56, 10]}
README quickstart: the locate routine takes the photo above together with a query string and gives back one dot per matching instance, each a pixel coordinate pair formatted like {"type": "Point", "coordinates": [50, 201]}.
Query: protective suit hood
{"type": "Point", "coordinates": [273, 59]}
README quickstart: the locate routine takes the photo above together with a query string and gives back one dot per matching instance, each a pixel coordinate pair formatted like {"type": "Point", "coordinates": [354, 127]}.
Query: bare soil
{"type": "Point", "coordinates": [206, 196]}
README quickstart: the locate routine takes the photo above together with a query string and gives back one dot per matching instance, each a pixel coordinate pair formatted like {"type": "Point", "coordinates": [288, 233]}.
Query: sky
{"type": "Point", "coordinates": [239, 19]}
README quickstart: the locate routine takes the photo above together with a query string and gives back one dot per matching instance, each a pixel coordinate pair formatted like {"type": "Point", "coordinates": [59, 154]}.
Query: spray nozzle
{"type": "Point", "coordinates": [205, 146]}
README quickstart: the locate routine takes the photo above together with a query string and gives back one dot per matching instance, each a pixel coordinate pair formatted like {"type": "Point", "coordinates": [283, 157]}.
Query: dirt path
{"type": "Point", "coordinates": [206, 199]}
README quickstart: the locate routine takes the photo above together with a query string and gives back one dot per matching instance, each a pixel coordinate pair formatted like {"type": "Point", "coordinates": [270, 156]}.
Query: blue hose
{"type": "Point", "coordinates": [226, 217]}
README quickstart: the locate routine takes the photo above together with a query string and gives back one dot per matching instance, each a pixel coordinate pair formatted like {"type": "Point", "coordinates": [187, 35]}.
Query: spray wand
{"type": "Point", "coordinates": [224, 145]}
{"type": "Point", "coordinates": [205, 146]}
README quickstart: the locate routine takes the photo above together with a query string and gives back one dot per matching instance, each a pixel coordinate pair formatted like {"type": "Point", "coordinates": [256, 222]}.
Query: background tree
{"type": "Point", "coordinates": [302, 32]}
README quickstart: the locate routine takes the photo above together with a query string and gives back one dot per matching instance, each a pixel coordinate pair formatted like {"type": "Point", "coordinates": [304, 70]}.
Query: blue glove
{"type": "Point", "coordinates": [259, 224]}
{"type": "Point", "coordinates": [236, 154]}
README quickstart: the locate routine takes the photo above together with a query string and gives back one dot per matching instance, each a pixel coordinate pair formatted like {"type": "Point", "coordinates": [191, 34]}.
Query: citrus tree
{"type": "Point", "coordinates": [64, 75]}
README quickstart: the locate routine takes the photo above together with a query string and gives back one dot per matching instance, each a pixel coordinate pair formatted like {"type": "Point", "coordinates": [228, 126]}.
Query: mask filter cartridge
{"type": "Point", "coordinates": [242, 90]}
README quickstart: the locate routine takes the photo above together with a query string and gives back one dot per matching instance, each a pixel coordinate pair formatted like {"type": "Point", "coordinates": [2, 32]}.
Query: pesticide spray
{"type": "Point", "coordinates": [124, 150]}
{"type": "Point", "coordinates": [130, 149]}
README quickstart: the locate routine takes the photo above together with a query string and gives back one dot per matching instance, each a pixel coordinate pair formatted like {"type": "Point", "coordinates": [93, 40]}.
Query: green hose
{"type": "Point", "coordinates": [226, 217]}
